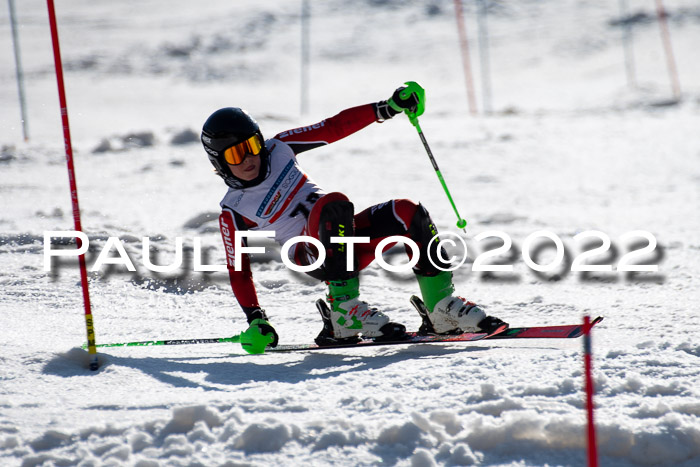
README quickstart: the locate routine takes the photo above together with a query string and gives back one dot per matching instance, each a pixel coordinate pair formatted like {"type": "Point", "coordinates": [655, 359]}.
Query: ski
{"type": "Point", "coordinates": [409, 338]}
{"type": "Point", "coordinates": [569, 331]}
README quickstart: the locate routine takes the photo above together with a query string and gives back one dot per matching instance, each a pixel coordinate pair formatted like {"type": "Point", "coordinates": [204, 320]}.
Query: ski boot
{"type": "Point", "coordinates": [348, 317]}
{"type": "Point", "coordinates": [444, 313]}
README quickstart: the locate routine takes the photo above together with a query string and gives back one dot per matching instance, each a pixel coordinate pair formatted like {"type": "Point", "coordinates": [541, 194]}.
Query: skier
{"type": "Point", "coordinates": [268, 190]}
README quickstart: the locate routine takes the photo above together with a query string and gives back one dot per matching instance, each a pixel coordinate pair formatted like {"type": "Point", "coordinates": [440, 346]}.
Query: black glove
{"type": "Point", "coordinates": [254, 312]}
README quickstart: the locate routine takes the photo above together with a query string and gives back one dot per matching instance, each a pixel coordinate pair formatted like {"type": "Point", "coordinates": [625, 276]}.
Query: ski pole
{"type": "Point", "coordinates": [213, 340]}
{"type": "Point", "coordinates": [411, 88]}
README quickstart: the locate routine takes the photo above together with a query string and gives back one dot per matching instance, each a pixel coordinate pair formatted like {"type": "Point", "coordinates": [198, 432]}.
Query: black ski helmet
{"type": "Point", "coordinates": [225, 128]}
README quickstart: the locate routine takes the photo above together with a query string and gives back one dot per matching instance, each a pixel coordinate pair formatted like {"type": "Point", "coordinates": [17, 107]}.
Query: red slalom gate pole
{"type": "Point", "coordinates": [466, 61]}
{"type": "Point", "coordinates": [92, 350]}
{"type": "Point", "coordinates": [587, 356]}
{"type": "Point", "coordinates": [670, 59]}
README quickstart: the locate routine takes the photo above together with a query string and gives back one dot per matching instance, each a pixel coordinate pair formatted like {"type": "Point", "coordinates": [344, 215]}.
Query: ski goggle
{"type": "Point", "coordinates": [236, 154]}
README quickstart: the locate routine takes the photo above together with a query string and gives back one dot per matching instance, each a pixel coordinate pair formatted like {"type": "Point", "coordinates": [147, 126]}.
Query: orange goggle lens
{"type": "Point", "coordinates": [236, 154]}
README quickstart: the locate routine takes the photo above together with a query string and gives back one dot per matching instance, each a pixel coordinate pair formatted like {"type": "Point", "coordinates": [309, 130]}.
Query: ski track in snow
{"type": "Point", "coordinates": [569, 148]}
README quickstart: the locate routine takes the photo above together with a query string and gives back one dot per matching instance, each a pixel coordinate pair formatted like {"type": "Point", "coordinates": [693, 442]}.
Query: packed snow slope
{"type": "Point", "coordinates": [570, 146]}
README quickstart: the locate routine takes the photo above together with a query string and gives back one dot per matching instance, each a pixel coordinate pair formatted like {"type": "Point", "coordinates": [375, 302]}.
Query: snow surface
{"type": "Point", "coordinates": [569, 147]}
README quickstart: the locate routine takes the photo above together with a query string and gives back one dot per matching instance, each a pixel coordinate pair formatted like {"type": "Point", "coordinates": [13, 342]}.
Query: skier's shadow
{"type": "Point", "coordinates": [245, 369]}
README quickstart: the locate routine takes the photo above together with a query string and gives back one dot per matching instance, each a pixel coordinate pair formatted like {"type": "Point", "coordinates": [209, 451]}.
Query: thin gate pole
{"type": "Point", "coordinates": [18, 70]}
{"type": "Point", "coordinates": [670, 60]}
{"type": "Point", "coordinates": [628, 45]}
{"type": "Point", "coordinates": [305, 55]}
{"type": "Point", "coordinates": [484, 55]}
{"type": "Point", "coordinates": [466, 61]}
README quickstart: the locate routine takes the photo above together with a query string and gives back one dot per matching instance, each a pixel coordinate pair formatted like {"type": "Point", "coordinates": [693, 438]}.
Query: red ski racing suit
{"type": "Point", "coordinates": [285, 201]}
